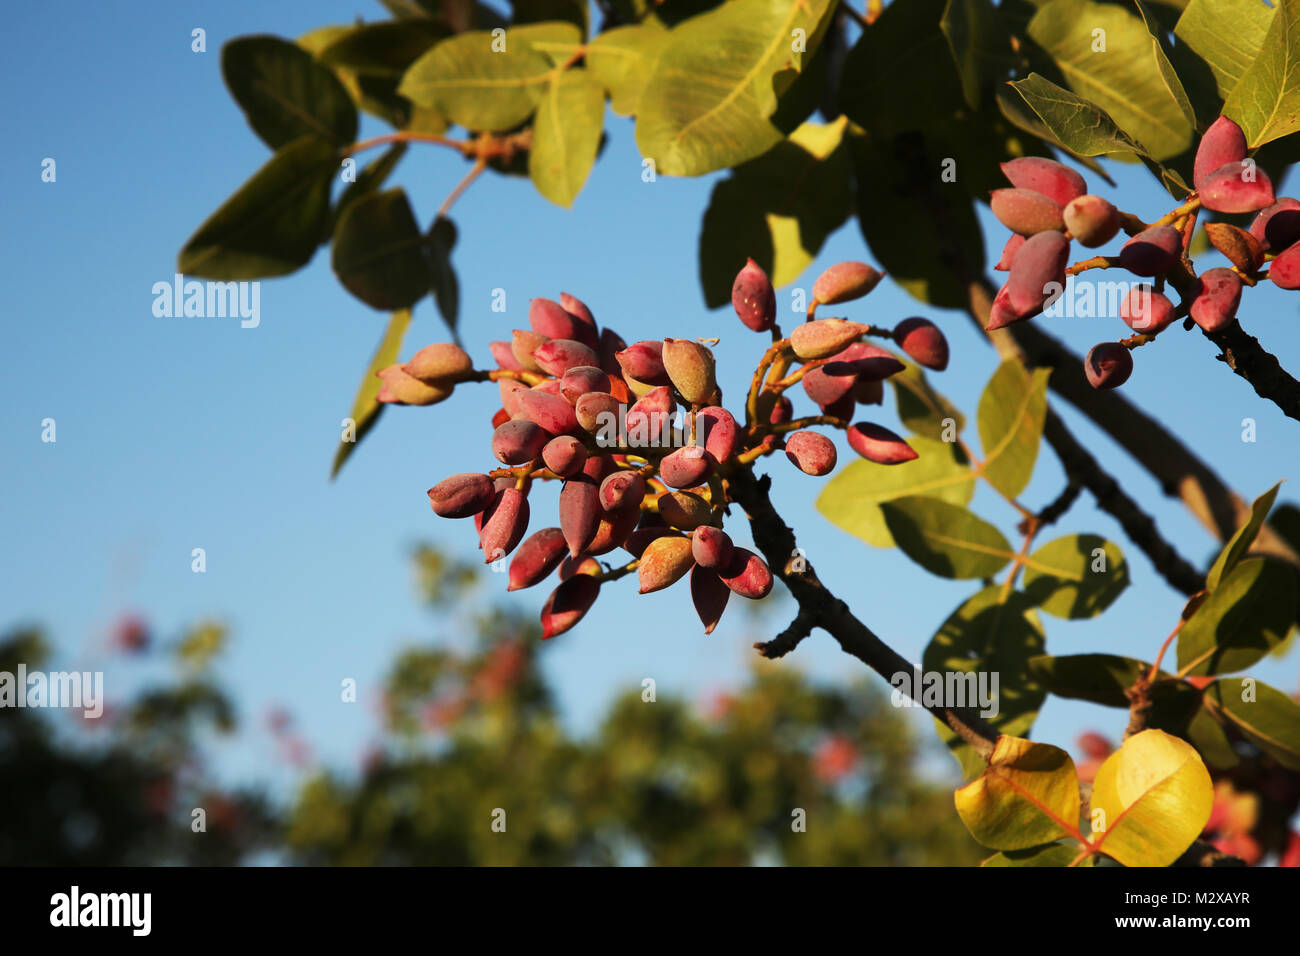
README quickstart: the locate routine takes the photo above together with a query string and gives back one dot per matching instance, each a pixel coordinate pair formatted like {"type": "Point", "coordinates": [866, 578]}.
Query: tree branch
{"type": "Point", "coordinates": [1111, 498]}
{"type": "Point", "coordinates": [1063, 503]}
{"type": "Point", "coordinates": [1181, 473]}
{"type": "Point", "coordinates": [788, 639]}
{"type": "Point", "coordinates": [819, 607]}
{"type": "Point", "coordinates": [1245, 356]}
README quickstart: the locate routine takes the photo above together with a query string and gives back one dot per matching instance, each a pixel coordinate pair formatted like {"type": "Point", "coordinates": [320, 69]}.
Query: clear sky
{"type": "Point", "coordinates": [182, 433]}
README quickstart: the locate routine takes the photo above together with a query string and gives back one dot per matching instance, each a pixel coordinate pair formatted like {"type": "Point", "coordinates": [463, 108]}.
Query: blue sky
{"type": "Point", "coordinates": [181, 433]}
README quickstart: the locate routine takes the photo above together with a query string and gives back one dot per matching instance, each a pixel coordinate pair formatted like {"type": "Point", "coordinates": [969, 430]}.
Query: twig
{"type": "Point", "coordinates": [1140, 527]}
{"type": "Point", "coordinates": [776, 541]}
{"type": "Point", "coordinates": [465, 147]}
{"type": "Point", "coordinates": [1180, 473]}
{"type": "Point", "coordinates": [788, 639]}
{"type": "Point", "coordinates": [1063, 503]}
{"type": "Point", "coordinates": [1244, 355]}
{"type": "Point", "coordinates": [479, 165]}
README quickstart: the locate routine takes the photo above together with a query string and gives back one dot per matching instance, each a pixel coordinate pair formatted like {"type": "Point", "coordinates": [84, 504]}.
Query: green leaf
{"type": "Point", "coordinates": [1168, 75]}
{"type": "Point", "coordinates": [372, 89]}
{"type": "Point", "coordinates": [1244, 537]}
{"type": "Point", "coordinates": [1099, 678]}
{"type": "Point", "coordinates": [1249, 613]}
{"type": "Point", "coordinates": [365, 409]}
{"type": "Point", "coordinates": [1079, 125]}
{"type": "Point", "coordinates": [273, 223]}
{"type": "Point", "coordinates": [623, 58]}
{"type": "Point", "coordinates": [920, 408]}
{"type": "Point", "coordinates": [901, 75]}
{"type": "Point", "coordinates": [1062, 577]}
{"type": "Point", "coordinates": [566, 135]}
{"type": "Point", "coordinates": [483, 82]}
{"type": "Point", "coordinates": [372, 176]}
{"type": "Point", "coordinates": [536, 11]}
{"type": "Point", "coordinates": [1208, 737]}
{"type": "Point", "coordinates": [942, 241]}
{"type": "Point", "coordinates": [1265, 103]}
{"type": "Point", "coordinates": [851, 499]}
{"type": "Point", "coordinates": [377, 251]}
{"type": "Point", "coordinates": [1053, 854]}
{"type": "Point", "coordinates": [446, 289]}
{"type": "Point", "coordinates": [1011, 415]}
{"type": "Point", "coordinates": [386, 48]}
{"type": "Point", "coordinates": [946, 539]}
{"type": "Point", "coordinates": [1124, 78]}
{"type": "Point", "coordinates": [1155, 796]}
{"type": "Point", "coordinates": [285, 93]}
{"type": "Point", "coordinates": [992, 632]}
{"type": "Point", "coordinates": [1226, 35]}
{"type": "Point", "coordinates": [1028, 795]}
{"type": "Point", "coordinates": [778, 209]}
{"type": "Point", "coordinates": [1265, 716]}
{"type": "Point", "coordinates": [707, 105]}
{"type": "Point", "coordinates": [978, 39]}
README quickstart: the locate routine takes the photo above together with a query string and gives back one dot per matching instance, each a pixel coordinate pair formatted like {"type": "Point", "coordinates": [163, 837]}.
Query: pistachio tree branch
{"type": "Point", "coordinates": [1242, 353]}
{"type": "Point", "coordinates": [1180, 473]}
{"type": "Point", "coordinates": [819, 607]}
{"type": "Point", "coordinates": [1178, 470]}
{"type": "Point", "coordinates": [1140, 527]}
{"type": "Point", "coordinates": [788, 639]}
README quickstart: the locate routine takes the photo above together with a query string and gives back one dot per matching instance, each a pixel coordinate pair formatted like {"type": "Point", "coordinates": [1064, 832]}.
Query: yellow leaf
{"type": "Point", "coordinates": [1027, 796]}
{"type": "Point", "coordinates": [1156, 796]}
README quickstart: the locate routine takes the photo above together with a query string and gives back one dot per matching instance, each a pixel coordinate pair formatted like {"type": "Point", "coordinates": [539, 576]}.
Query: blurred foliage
{"type": "Point", "coordinates": [475, 732]}
{"type": "Point", "coordinates": [470, 728]}
{"type": "Point", "coordinates": [120, 789]}
{"type": "Point", "coordinates": [467, 730]}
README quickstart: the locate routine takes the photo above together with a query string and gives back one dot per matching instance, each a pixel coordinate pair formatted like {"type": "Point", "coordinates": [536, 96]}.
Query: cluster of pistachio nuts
{"type": "Point", "coordinates": [1048, 206]}
{"type": "Point", "coordinates": [642, 444]}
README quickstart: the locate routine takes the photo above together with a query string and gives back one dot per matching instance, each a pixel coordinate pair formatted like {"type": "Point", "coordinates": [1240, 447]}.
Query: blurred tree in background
{"type": "Point", "coordinates": [779, 771]}
{"type": "Point", "coordinates": [121, 788]}
{"type": "Point", "coordinates": [658, 783]}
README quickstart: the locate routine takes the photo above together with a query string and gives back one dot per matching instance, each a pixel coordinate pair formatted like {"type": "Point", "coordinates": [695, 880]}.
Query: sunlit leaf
{"type": "Point", "coordinates": [477, 84]}
{"type": "Point", "coordinates": [1066, 577]}
{"type": "Point", "coordinates": [1155, 796]}
{"type": "Point", "coordinates": [1226, 35]}
{"type": "Point", "coordinates": [1029, 795]}
{"type": "Point", "coordinates": [1265, 716]}
{"type": "Point", "coordinates": [946, 539]}
{"type": "Point", "coordinates": [1248, 614]}
{"type": "Point", "coordinates": [1243, 538]}
{"type": "Point", "coordinates": [1011, 415]}
{"type": "Point", "coordinates": [1079, 125]}
{"type": "Point", "coordinates": [1124, 77]}
{"type": "Point", "coordinates": [994, 632]}
{"type": "Point", "coordinates": [922, 409]}
{"type": "Point", "coordinates": [851, 499]}
{"type": "Point", "coordinates": [566, 135]}
{"type": "Point", "coordinates": [365, 409]}
{"type": "Point", "coordinates": [1053, 854]}
{"type": "Point", "coordinates": [777, 209]}
{"type": "Point", "coordinates": [622, 60]}
{"type": "Point", "coordinates": [707, 105]}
